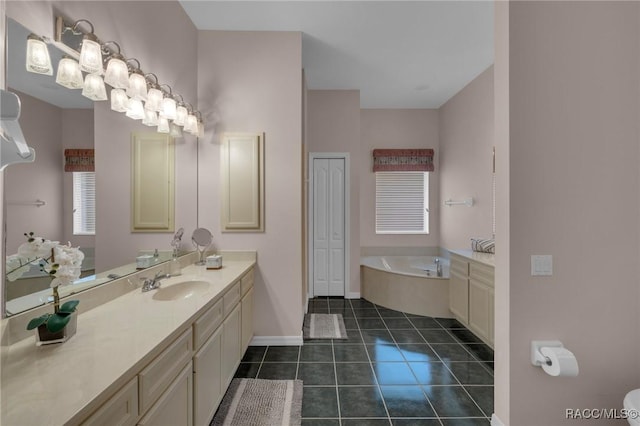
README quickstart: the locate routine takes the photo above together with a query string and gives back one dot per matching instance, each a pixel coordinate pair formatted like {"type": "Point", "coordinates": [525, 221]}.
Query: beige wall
{"type": "Point", "coordinates": [466, 151]}
{"type": "Point", "coordinates": [165, 45]}
{"type": "Point", "coordinates": [334, 126]}
{"type": "Point", "coordinates": [397, 128]}
{"type": "Point", "coordinates": [574, 194]}
{"type": "Point", "coordinates": [252, 82]}
{"type": "Point", "coordinates": [43, 179]}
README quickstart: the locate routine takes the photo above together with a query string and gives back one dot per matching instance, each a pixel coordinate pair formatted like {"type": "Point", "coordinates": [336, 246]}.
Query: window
{"type": "Point", "coordinates": [84, 203]}
{"type": "Point", "coordinates": [402, 202]}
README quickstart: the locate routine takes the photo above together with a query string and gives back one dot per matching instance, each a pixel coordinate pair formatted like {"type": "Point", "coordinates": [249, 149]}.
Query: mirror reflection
{"type": "Point", "coordinates": [54, 197]}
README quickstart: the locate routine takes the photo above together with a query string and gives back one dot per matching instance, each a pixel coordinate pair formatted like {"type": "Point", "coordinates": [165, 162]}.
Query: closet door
{"type": "Point", "coordinates": [329, 227]}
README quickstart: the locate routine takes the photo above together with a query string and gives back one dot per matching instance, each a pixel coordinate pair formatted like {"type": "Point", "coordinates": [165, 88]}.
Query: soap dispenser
{"type": "Point", "coordinates": [174, 265]}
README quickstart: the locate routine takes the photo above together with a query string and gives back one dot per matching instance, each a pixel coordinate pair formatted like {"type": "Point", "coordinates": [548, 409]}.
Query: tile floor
{"type": "Point", "coordinates": [395, 369]}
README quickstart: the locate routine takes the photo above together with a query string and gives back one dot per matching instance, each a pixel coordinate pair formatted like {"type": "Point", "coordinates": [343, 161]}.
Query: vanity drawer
{"type": "Point", "coordinates": [231, 298]}
{"type": "Point", "coordinates": [247, 281]}
{"type": "Point", "coordinates": [207, 324]}
{"type": "Point", "coordinates": [120, 409]}
{"type": "Point", "coordinates": [482, 273]}
{"type": "Point", "coordinates": [460, 266]}
{"type": "Point", "coordinates": [157, 376]}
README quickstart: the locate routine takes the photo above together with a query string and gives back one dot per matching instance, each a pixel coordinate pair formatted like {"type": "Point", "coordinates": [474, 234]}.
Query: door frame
{"type": "Point", "coordinates": [347, 218]}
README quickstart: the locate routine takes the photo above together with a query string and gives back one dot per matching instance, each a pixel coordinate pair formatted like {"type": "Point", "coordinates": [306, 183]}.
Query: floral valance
{"type": "Point", "coordinates": [403, 160]}
{"type": "Point", "coordinates": [79, 160]}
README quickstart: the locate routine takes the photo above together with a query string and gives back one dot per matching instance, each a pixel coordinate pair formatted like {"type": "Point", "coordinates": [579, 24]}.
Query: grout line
{"type": "Point", "coordinates": [335, 378]}
{"type": "Point", "coordinates": [264, 355]}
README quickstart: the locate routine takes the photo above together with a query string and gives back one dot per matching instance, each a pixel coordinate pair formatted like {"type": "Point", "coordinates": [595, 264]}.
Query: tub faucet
{"type": "Point", "coordinates": [153, 283]}
{"type": "Point", "coordinates": [438, 267]}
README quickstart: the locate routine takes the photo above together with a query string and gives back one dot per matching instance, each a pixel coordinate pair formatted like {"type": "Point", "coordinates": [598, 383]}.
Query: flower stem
{"type": "Point", "coordinates": [56, 300]}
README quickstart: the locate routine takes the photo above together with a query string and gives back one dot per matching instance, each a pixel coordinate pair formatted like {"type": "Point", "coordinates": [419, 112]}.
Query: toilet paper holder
{"type": "Point", "coordinates": [537, 358]}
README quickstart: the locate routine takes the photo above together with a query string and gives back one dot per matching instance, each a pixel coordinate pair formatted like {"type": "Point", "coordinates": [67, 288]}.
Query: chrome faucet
{"type": "Point", "coordinates": [438, 267]}
{"type": "Point", "coordinates": [153, 283]}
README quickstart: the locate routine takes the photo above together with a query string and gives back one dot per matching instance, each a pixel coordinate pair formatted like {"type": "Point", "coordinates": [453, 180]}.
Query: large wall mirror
{"type": "Point", "coordinates": [39, 196]}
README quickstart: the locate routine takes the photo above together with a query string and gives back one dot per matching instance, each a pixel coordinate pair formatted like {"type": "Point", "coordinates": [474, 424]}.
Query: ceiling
{"type": "Point", "coordinates": [399, 54]}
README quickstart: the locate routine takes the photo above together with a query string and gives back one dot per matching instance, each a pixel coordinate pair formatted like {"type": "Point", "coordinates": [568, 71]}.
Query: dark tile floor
{"type": "Point", "coordinates": [394, 369]}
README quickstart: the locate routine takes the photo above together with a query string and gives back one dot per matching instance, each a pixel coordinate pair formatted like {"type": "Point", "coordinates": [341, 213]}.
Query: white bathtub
{"type": "Point", "coordinates": [413, 266]}
{"type": "Point", "coordinates": [407, 283]}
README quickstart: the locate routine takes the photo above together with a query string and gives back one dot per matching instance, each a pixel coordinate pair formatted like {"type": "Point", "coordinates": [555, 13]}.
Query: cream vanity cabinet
{"type": "Point", "coordinates": [185, 383]}
{"type": "Point", "coordinates": [471, 295]}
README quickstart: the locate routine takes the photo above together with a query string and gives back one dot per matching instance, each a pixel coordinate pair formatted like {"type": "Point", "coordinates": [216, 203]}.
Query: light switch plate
{"type": "Point", "coordinates": [541, 265]}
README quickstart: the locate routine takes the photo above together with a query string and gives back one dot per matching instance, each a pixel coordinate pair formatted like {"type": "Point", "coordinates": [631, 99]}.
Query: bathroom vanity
{"type": "Point", "coordinates": [161, 357]}
{"type": "Point", "coordinates": [471, 292]}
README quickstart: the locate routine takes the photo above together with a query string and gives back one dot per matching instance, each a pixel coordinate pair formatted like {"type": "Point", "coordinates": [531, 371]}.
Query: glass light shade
{"type": "Point", "coordinates": [200, 129]}
{"type": "Point", "coordinates": [38, 59]}
{"type": "Point", "coordinates": [150, 118]}
{"type": "Point", "coordinates": [175, 131]}
{"type": "Point", "coordinates": [94, 88]}
{"type": "Point", "coordinates": [154, 100]}
{"type": "Point", "coordinates": [181, 115]}
{"type": "Point", "coordinates": [137, 87]}
{"type": "Point", "coordinates": [191, 124]}
{"type": "Point", "coordinates": [163, 125]}
{"type": "Point", "coordinates": [91, 57]}
{"type": "Point", "coordinates": [135, 109]}
{"type": "Point", "coordinates": [69, 74]}
{"type": "Point", "coordinates": [117, 74]}
{"type": "Point", "coordinates": [168, 109]}
{"type": "Point", "coordinates": [119, 100]}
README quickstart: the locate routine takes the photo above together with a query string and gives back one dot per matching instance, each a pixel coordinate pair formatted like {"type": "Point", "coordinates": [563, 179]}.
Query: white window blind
{"type": "Point", "coordinates": [402, 202]}
{"type": "Point", "coordinates": [84, 203]}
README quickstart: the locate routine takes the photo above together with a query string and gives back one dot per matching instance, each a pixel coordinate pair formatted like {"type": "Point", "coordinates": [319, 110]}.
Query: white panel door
{"type": "Point", "coordinates": [328, 227]}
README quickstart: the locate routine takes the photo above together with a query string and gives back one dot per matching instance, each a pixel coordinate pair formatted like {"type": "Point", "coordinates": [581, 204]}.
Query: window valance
{"type": "Point", "coordinates": [403, 160]}
{"type": "Point", "coordinates": [79, 160]}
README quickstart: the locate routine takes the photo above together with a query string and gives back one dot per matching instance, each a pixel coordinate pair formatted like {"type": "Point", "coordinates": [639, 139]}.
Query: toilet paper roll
{"type": "Point", "coordinates": [563, 362]}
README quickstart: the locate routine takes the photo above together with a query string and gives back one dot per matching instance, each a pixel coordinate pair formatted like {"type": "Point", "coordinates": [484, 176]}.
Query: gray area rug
{"type": "Point", "coordinates": [324, 326]}
{"type": "Point", "coordinates": [258, 402]}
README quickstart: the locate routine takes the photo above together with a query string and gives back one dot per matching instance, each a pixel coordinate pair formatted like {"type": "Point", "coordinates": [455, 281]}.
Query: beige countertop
{"type": "Point", "coordinates": [485, 258]}
{"type": "Point", "coordinates": [58, 384]}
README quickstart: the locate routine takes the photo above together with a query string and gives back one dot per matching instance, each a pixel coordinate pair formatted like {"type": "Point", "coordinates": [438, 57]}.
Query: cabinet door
{"type": "Point", "coordinates": [459, 296]}
{"type": "Point", "coordinates": [479, 296]}
{"type": "Point", "coordinates": [231, 329]}
{"type": "Point", "coordinates": [175, 406]}
{"type": "Point", "coordinates": [207, 380]}
{"type": "Point", "coordinates": [121, 409]}
{"type": "Point", "coordinates": [247, 319]}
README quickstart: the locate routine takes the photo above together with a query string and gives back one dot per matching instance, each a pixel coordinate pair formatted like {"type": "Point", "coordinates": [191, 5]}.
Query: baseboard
{"type": "Point", "coordinates": [276, 340]}
{"type": "Point", "coordinates": [495, 421]}
{"type": "Point", "coordinates": [352, 295]}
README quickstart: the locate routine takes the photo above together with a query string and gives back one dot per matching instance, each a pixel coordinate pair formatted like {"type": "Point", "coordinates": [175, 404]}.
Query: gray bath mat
{"type": "Point", "coordinates": [258, 402]}
{"type": "Point", "coordinates": [324, 326]}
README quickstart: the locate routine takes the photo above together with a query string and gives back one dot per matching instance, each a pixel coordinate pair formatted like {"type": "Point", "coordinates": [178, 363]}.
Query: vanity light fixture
{"type": "Point", "coordinates": [163, 125]}
{"type": "Point", "coordinates": [94, 88]}
{"type": "Point", "coordinates": [69, 74]}
{"type": "Point", "coordinates": [191, 124]}
{"type": "Point", "coordinates": [135, 109]}
{"type": "Point", "coordinates": [181, 112]}
{"type": "Point", "coordinates": [157, 98]}
{"type": "Point", "coordinates": [38, 59]}
{"type": "Point", "coordinates": [137, 83]}
{"type": "Point", "coordinates": [168, 109]}
{"type": "Point", "coordinates": [150, 117]}
{"type": "Point", "coordinates": [175, 131]}
{"type": "Point", "coordinates": [154, 94]}
{"type": "Point", "coordinates": [119, 100]}
{"type": "Point", "coordinates": [117, 73]}
{"type": "Point", "coordinates": [91, 51]}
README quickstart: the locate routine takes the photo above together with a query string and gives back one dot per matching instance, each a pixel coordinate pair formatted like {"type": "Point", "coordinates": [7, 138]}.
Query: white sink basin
{"type": "Point", "coordinates": [182, 290]}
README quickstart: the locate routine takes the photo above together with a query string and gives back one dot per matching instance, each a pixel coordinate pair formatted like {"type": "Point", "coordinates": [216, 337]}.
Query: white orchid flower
{"type": "Point", "coordinates": [36, 247]}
